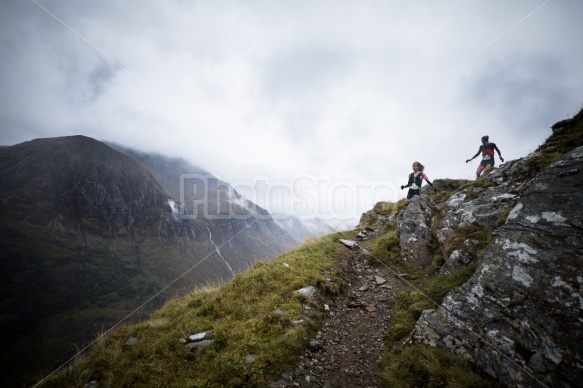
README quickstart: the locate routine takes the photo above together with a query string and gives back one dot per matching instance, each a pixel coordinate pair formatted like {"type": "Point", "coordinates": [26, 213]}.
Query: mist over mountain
{"type": "Point", "coordinates": [304, 229]}
{"type": "Point", "coordinates": [168, 172]}
{"type": "Point", "coordinates": [89, 234]}
{"type": "Point", "coordinates": [219, 207]}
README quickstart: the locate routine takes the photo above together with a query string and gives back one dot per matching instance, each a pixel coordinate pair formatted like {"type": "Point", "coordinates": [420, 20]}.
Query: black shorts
{"type": "Point", "coordinates": [413, 192]}
{"type": "Point", "coordinates": [485, 163]}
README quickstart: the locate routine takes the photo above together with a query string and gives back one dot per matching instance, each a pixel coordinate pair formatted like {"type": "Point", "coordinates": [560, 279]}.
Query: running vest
{"type": "Point", "coordinates": [488, 151]}
{"type": "Point", "coordinates": [415, 182]}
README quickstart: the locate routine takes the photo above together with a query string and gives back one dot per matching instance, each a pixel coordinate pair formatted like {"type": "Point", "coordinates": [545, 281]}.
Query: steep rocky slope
{"type": "Point", "coordinates": [520, 316]}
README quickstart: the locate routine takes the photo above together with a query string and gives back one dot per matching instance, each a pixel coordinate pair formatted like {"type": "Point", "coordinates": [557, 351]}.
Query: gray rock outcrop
{"type": "Point", "coordinates": [520, 317]}
{"type": "Point", "coordinates": [483, 211]}
{"type": "Point", "coordinates": [461, 258]}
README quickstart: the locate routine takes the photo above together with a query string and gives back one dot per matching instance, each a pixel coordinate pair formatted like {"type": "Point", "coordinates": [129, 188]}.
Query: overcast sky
{"type": "Point", "coordinates": [340, 92]}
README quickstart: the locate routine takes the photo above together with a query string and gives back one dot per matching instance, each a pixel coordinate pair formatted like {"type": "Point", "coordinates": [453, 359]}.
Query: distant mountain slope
{"type": "Point", "coordinates": [302, 230]}
{"type": "Point", "coordinates": [88, 234]}
{"type": "Point", "coordinates": [263, 237]}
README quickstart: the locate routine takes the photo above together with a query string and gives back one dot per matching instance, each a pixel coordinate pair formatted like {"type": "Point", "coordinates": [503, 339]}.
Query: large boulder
{"type": "Point", "coordinates": [520, 317]}
{"type": "Point", "coordinates": [414, 225]}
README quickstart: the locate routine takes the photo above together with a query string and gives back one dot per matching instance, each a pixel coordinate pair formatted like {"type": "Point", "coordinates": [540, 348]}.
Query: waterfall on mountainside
{"type": "Point", "coordinates": [219, 252]}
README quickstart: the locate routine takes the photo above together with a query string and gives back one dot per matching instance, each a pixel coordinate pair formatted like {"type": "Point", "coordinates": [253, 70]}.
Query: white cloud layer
{"type": "Point", "coordinates": [348, 90]}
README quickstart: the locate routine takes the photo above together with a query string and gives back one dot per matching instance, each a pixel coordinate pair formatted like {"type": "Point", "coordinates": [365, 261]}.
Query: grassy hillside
{"type": "Point", "coordinates": [250, 315]}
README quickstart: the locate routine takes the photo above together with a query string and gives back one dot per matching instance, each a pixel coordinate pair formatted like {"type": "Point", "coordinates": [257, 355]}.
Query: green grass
{"type": "Point", "coordinates": [566, 136]}
{"type": "Point", "coordinates": [480, 183]}
{"type": "Point", "coordinates": [388, 208]}
{"type": "Point", "coordinates": [387, 251]}
{"type": "Point", "coordinates": [445, 188]}
{"type": "Point", "coordinates": [427, 294]}
{"type": "Point", "coordinates": [463, 233]}
{"type": "Point", "coordinates": [242, 319]}
{"type": "Point", "coordinates": [383, 208]}
{"type": "Point", "coordinates": [503, 217]}
{"type": "Point", "coordinates": [425, 366]}
{"type": "Point", "coordinates": [386, 248]}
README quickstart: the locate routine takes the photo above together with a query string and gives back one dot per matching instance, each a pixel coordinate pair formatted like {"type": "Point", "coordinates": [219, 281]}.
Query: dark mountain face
{"type": "Point", "coordinates": [89, 234]}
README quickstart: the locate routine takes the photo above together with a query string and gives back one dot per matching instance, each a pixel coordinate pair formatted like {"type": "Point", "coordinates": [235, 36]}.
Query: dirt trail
{"type": "Point", "coordinates": [346, 351]}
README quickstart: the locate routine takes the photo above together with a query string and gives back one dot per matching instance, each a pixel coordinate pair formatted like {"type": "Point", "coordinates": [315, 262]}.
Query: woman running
{"type": "Point", "coordinates": [487, 150]}
{"type": "Point", "coordinates": [416, 180]}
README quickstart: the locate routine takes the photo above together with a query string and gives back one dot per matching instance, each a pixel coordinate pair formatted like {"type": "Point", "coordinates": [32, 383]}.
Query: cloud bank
{"type": "Point", "coordinates": [352, 91]}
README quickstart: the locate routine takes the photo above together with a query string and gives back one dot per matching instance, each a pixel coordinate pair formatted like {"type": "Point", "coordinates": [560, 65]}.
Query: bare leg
{"type": "Point", "coordinates": [479, 170]}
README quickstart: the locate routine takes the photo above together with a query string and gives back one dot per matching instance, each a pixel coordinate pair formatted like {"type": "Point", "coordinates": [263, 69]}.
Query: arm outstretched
{"type": "Point", "coordinates": [499, 153]}
{"type": "Point", "coordinates": [474, 157]}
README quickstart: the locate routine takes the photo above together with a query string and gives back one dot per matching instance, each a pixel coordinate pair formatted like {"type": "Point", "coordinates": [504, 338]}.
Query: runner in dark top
{"type": "Point", "coordinates": [416, 180]}
{"type": "Point", "coordinates": [487, 150]}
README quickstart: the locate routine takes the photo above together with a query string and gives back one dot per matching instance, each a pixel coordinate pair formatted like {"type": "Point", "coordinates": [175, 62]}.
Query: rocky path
{"type": "Point", "coordinates": [346, 351]}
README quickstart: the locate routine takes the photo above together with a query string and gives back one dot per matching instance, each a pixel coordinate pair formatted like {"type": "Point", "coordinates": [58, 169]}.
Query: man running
{"type": "Point", "coordinates": [487, 150]}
